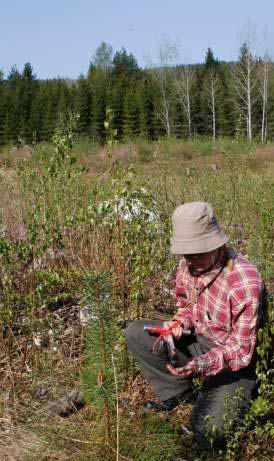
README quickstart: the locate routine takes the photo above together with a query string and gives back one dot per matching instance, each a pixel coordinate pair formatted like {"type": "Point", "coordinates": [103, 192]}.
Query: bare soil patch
{"type": "Point", "coordinates": [16, 444]}
{"type": "Point", "coordinates": [21, 153]}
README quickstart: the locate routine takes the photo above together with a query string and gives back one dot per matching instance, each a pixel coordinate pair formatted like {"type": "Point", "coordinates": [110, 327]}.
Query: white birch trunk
{"type": "Point", "coordinates": [246, 83]}
{"type": "Point", "coordinates": [183, 84]}
{"type": "Point", "coordinates": [164, 76]}
{"type": "Point", "coordinates": [265, 99]}
{"type": "Point", "coordinates": [248, 88]}
{"type": "Point", "coordinates": [213, 90]}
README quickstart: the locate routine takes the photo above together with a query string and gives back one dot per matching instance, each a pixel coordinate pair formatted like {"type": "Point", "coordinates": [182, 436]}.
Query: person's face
{"type": "Point", "coordinates": [201, 262]}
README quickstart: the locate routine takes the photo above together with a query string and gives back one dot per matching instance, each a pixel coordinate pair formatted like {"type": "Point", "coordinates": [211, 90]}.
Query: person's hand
{"type": "Point", "coordinates": [176, 331]}
{"type": "Point", "coordinates": [183, 372]}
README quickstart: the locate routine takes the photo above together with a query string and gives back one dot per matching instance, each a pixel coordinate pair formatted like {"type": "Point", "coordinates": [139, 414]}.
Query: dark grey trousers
{"type": "Point", "coordinates": [222, 399]}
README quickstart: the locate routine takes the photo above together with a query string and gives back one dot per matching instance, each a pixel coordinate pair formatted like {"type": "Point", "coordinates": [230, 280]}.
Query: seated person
{"type": "Point", "coordinates": [219, 300]}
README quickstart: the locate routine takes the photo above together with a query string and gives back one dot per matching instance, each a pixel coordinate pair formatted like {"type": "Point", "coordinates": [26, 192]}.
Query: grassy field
{"type": "Point", "coordinates": [84, 248]}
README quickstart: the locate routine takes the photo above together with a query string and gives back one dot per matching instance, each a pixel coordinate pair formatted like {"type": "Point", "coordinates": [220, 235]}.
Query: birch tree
{"type": "Point", "coordinates": [263, 75]}
{"type": "Point", "coordinates": [183, 83]}
{"type": "Point", "coordinates": [103, 55]}
{"type": "Point", "coordinates": [163, 75]}
{"type": "Point", "coordinates": [246, 85]}
{"type": "Point", "coordinates": [213, 88]}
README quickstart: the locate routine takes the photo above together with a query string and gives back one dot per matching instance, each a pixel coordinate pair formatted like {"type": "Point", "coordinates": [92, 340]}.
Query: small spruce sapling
{"type": "Point", "coordinates": [99, 382]}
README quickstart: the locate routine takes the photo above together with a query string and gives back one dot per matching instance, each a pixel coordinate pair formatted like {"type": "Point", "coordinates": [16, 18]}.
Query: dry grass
{"type": "Point", "coordinates": [12, 205]}
{"type": "Point", "coordinates": [174, 173]}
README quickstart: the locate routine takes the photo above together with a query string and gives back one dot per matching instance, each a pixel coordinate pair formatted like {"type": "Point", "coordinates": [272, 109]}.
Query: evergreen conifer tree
{"type": "Point", "coordinates": [98, 83]}
{"type": "Point", "coordinates": [27, 89]}
{"type": "Point", "coordinates": [199, 121]}
{"type": "Point", "coordinates": [131, 119]}
{"type": "Point", "coordinates": [13, 116]}
{"type": "Point", "coordinates": [102, 339]}
{"type": "Point", "coordinates": [83, 105]}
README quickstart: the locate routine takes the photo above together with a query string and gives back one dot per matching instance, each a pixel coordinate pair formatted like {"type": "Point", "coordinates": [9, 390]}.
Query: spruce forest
{"type": "Point", "coordinates": [211, 99]}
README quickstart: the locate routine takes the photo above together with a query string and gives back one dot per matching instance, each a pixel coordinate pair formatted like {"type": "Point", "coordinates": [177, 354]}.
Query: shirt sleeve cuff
{"type": "Point", "coordinates": [184, 317]}
{"type": "Point", "coordinates": [200, 366]}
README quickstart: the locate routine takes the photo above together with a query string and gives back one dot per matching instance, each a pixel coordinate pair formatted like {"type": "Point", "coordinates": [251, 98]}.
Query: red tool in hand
{"type": "Point", "coordinates": [164, 343]}
{"type": "Point", "coordinates": [163, 331]}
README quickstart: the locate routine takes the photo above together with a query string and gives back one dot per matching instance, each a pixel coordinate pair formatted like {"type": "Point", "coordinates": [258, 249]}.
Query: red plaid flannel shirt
{"type": "Point", "coordinates": [224, 309]}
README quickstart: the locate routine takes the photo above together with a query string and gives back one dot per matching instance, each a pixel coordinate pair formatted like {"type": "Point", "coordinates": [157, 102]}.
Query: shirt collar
{"type": "Point", "coordinates": [205, 279]}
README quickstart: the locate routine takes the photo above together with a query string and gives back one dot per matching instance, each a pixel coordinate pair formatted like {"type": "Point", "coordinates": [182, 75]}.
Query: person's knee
{"type": "Point", "coordinates": [133, 332]}
{"type": "Point", "coordinates": [208, 431]}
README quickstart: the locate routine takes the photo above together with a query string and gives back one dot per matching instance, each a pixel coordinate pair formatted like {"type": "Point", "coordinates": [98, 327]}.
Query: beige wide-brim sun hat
{"type": "Point", "coordinates": [195, 229]}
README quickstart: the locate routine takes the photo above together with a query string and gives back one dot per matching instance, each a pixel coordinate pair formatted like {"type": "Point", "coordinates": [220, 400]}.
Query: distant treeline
{"type": "Point", "coordinates": [210, 99]}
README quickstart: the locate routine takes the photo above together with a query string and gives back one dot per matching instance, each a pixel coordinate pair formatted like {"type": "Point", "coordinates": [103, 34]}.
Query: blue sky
{"type": "Point", "coordinates": [59, 37]}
